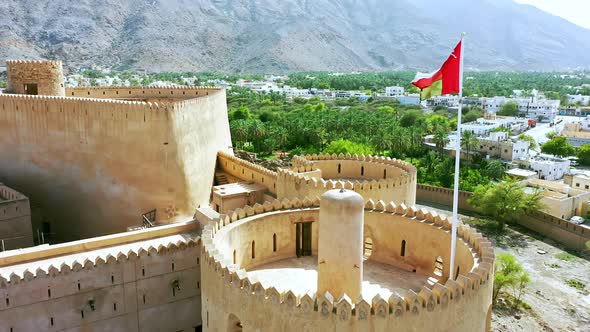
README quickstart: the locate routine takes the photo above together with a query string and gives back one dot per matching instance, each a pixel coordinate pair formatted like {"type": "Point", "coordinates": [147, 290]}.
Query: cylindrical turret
{"type": "Point", "coordinates": [340, 246]}
{"type": "Point", "coordinates": [35, 78]}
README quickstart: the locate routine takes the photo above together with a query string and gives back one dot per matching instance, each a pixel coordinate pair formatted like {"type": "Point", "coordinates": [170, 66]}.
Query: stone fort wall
{"type": "Point", "coordinates": [122, 92]}
{"type": "Point", "coordinates": [247, 171]}
{"type": "Point", "coordinates": [378, 178]}
{"type": "Point", "coordinates": [145, 280]}
{"type": "Point", "coordinates": [232, 296]}
{"type": "Point", "coordinates": [560, 230]}
{"type": "Point", "coordinates": [48, 75]}
{"type": "Point", "coordinates": [95, 165]}
{"type": "Point", "coordinates": [15, 219]}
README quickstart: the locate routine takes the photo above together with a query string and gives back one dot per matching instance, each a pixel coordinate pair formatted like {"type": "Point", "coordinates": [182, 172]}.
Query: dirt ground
{"type": "Point", "coordinates": [559, 293]}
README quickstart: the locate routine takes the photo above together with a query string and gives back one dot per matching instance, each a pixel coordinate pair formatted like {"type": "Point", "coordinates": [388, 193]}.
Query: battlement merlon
{"type": "Point", "coordinates": [35, 62]}
{"type": "Point", "coordinates": [117, 245]}
{"type": "Point", "coordinates": [466, 287]}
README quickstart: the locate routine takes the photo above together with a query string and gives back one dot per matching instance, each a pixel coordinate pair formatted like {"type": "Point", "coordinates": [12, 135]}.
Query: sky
{"type": "Point", "coordinates": [575, 11]}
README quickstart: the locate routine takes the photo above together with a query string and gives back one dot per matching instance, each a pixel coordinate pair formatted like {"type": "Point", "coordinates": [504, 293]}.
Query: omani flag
{"type": "Point", "coordinates": [444, 81]}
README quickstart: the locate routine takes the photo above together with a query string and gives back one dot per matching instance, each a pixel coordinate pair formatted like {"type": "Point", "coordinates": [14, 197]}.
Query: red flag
{"type": "Point", "coordinates": [444, 81]}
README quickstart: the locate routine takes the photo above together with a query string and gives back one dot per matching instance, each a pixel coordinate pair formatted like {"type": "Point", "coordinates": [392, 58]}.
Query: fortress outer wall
{"type": "Point", "coordinates": [95, 165]}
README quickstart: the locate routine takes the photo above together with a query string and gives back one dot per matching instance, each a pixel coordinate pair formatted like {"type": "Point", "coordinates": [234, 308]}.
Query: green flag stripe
{"type": "Point", "coordinates": [433, 90]}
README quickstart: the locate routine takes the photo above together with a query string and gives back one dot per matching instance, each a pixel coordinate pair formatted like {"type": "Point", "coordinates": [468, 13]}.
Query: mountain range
{"type": "Point", "coordinates": [289, 35]}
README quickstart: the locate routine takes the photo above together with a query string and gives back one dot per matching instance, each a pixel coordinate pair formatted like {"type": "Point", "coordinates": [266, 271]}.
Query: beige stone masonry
{"type": "Point", "coordinates": [406, 310]}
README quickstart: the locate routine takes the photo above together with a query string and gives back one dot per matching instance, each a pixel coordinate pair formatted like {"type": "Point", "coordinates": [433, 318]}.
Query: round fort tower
{"type": "Point", "coordinates": [35, 77]}
{"type": "Point", "coordinates": [340, 243]}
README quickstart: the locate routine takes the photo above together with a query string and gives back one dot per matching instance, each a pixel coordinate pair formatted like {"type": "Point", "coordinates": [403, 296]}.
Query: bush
{"type": "Point", "coordinates": [584, 154]}
{"type": "Point", "coordinates": [509, 274]}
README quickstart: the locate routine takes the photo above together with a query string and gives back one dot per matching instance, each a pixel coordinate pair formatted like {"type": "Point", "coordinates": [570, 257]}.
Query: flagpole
{"type": "Point", "coordinates": [457, 166]}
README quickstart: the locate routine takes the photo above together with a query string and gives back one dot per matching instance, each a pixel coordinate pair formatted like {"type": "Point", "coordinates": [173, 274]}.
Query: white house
{"type": "Point", "coordinates": [574, 99]}
{"type": "Point", "coordinates": [259, 86]}
{"type": "Point", "coordinates": [394, 91]}
{"type": "Point", "coordinates": [294, 92]}
{"type": "Point", "coordinates": [532, 107]}
{"type": "Point", "coordinates": [549, 167]}
{"type": "Point", "coordinates": [447, 100]}
{"type": "Point", "coordinates": [497, 145]}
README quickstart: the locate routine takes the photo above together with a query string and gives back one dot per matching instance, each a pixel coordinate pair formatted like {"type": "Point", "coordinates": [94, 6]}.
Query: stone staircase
{"type": "Point", "coordinates": [221, 179]}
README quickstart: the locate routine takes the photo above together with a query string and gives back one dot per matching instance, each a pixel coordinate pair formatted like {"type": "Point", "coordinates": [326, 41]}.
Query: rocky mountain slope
{"type": "Point", "coordinates": [287, 35]}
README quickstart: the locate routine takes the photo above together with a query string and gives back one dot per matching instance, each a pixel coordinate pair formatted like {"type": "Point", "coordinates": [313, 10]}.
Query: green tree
{"type": "Point", "coordinates": [345, 146]}
{"type": "Point", "coordinates": [444, 173]}
{"type": "Point", "coordinates": [508, 273]}
{"type": "Point", "coordinates": [471, 178]}
{"type": "Point", "coordinates": [519, 288]}
{"type": "Point", "coordinates": [468, 142]}
{"type": "Point", "coordinates": [440, 140]}
{"type": "Point", "coordinates": [558, 146]}
{"type": "Point", "coordinates": [528, 138]}
{"type": "Point", "coordinates": [551, 135]}
{"type": "Point", "coordinates": [430, 160]}
{"type": "Point", "coordinates": [509, 109]}
{"type": "Point", "coordinates": [505, 201]}
{"type": "Point", "coordinates": [409, 118]}
{"type": "Point", "coordinates": [242, 113]}
{"type": "Point", "coordinates": [495, 169]}
{"type": "Point", "coordinates": [584, 154]}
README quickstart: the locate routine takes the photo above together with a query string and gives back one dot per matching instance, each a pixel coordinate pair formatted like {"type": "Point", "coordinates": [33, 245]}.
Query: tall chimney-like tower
{"type": "Point", "coordinates": [340, 247]}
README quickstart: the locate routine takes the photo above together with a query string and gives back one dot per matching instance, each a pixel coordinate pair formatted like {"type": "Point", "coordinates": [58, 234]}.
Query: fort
{"type": "Point", "coordinates": [156, 226]}
{"type": "Point", "coordinates": [96, 159]}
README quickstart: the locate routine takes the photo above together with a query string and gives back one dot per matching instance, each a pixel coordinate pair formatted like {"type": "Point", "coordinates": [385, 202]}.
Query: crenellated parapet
{"type": "Point", "coordinates": [40, 102]}
{"type": "Point", "coordinates": [309, 160]}
{"type": "Point", "coordinates": [376, 177]}
{"type": "Point", "coordinates": [39, 262]}
{"type": "Point", "coordinates": [247, 171]}
{"type": "Point", "coordinates": [467, 296]}
{"type": "Point", "coordinates": [35, 62]}
{"type": "Point", "coordinates": [176, 95]}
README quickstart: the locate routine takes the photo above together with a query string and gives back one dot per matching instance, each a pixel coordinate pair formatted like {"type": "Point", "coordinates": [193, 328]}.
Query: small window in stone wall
{"type": "Point", "coordinates": [274, 242]}
{"type": "Point", "coordinates": [403, 250]}
{"type": "Point", "coordinates": [438, 266]}
{"type": "Point", "coordinates": [362, 170]}
{"type": "Point", "coordinates": [253, 249]}
{"type": "Point", "coordinates": [367, 248]}
{"type": "Point", "coordinates": [235, 256]}
{"type": "Point", "coordinates": [31, 89]}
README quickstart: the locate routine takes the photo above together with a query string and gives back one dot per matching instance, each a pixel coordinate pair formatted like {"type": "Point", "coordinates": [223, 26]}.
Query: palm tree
{"type": "Point", "coordinates": [468, 142]}
{"type": "Point", "coordinates": [430, 160]}
{"type": "Point", "coordinates": [440, 139]}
